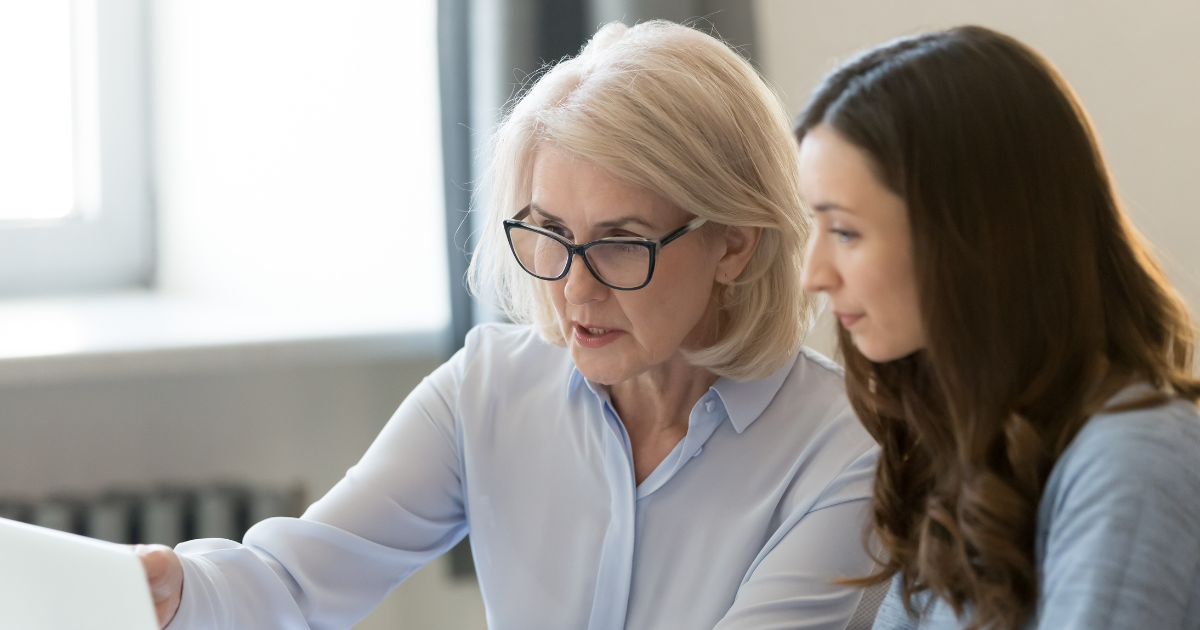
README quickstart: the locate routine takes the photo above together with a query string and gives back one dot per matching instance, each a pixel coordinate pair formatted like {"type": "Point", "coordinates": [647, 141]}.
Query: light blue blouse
{"type": "Point", "coordinates": [743, 525]}
{"type": "Point", "coordinates": [1118, 530]}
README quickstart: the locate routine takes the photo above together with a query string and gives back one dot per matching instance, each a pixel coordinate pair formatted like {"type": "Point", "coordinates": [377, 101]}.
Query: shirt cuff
{"type": "Point", "coordinates": [201, 583]}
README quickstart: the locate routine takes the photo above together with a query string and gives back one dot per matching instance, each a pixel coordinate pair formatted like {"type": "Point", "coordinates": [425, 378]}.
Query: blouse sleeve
{"type": "Point", "coordinates": [1118, 529]}
{"type": "Point", "coordinates": [794, 584]}
{"type": "Point", "coordinates": [398, 509]}
{"type": "Point", "coordinates": [1122, 546]}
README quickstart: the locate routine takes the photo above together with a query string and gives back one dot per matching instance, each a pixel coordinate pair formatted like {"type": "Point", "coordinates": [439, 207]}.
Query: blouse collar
{"type": "Point", "coordinates": [744, 401]}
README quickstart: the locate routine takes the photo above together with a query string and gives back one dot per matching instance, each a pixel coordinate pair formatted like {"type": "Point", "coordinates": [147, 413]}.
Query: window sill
{"type": "Point", "coordinates": [135, 333]}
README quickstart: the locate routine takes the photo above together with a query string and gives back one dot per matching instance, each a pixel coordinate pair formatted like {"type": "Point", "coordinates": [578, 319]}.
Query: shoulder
{"type": "Point", "coordinates": [813, 396]}
{"type": "Point", "coordinates": [508, 344]}
{"type": "Point", "coordinates": [497, 355]}
{"type": "Point", "coordinates": [1142, 462]}
{"type": "Point", "coordinates": [500, 335]}
{"type": "Point", "coordinates": [1145, 446]}
{"type": "Point", "coordinates": [824, 364]}
{"type": "Point", "coordinates": [1119, 524]}
{"type": "Point", "coordinates": [820, 372]}
{"type": "Point", "coordinates": [816, 383]}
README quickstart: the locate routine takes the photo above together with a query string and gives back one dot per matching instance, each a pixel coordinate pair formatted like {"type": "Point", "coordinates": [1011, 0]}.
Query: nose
{"type": "Point", "coordinates": [819, 273]}
{"type": "Point", "coordinates": [581, 286]}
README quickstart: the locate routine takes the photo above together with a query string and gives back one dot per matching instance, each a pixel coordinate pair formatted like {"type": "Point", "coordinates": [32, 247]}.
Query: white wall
{"type": "Point", "coordinates": [1135, 66]}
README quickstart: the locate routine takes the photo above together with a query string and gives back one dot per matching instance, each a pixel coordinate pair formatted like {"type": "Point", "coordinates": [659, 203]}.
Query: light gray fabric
{"type": "Point", "coordinates": [1118, 535]}
{"type": "Point", "coordinates": [868, 606]}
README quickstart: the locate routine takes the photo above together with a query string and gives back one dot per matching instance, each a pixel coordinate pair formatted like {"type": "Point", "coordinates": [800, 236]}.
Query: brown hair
{"type": "Point", "coordinates": [1040, 298]}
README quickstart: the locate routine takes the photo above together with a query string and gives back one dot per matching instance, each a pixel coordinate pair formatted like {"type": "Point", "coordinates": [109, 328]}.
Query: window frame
{"type": "Point", "coordinates": [112, 246]}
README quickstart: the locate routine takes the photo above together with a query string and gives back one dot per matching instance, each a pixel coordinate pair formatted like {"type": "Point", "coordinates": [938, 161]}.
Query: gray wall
{"type": "Point", "coordinates": [733, 20]}
{"type": "Point", "coordinates": [264, 422]}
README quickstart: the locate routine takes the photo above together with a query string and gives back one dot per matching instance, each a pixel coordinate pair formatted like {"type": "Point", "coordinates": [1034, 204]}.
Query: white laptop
{"type": "Point", "coordinates": [50, 580]}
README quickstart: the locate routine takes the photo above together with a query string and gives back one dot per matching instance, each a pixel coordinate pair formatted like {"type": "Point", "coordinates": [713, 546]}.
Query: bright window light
{"type": "Point", "coordinates": [48, 153]}
{"type": "Point", "coordinates": [299, 155]}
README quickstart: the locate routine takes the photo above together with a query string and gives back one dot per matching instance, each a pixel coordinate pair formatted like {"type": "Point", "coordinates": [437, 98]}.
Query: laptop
{"type": "Point", "coordinates": [50, 580]}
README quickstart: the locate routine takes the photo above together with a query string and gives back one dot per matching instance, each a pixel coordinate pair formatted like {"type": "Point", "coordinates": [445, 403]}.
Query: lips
{"type": "Point", "coordinates": [848, 319]}
{"type": "Point", "coordinates": [595, 336]}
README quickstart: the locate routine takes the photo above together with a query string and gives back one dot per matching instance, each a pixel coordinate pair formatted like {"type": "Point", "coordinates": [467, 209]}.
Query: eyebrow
{"type": "Point", "coordinates": [612, 223]}
{"type": "Point", "coordinates": [825, 207]}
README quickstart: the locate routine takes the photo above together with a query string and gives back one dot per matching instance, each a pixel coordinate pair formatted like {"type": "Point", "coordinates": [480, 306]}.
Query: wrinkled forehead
{"type": "Point", "coordinates": [595, 218]}
{"type": "Point", "coordinates": [581, 194]}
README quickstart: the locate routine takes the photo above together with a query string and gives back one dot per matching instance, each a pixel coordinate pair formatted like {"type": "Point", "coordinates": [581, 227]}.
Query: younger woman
{"type": "Point", "coordinates": [1009, 342]}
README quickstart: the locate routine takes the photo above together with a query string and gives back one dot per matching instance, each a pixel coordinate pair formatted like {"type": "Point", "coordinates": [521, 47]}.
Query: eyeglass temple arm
{"type": "Point", "coordinates": [691, 225]}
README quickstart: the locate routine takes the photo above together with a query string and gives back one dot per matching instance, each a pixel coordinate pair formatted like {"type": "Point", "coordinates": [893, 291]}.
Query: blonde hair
{"type": "Point", "coordinates": [677, 112]}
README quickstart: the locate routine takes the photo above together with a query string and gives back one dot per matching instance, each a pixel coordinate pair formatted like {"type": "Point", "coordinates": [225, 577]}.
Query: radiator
{"type": "Point", "coordinates": [166, 516]}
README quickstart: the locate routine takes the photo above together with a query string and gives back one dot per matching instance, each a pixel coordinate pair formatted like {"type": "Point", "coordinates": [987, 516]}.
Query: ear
{"type": "Point", "coordinates": [740, 245]}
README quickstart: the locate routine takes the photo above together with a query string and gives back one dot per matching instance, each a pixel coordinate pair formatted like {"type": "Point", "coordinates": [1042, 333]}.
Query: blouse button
{"type": "Point", "coordinates": [708, 406]}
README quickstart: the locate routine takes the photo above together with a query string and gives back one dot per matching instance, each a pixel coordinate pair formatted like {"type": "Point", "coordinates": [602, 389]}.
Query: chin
{"type": "Point", "coordinates": [880, 352]}
{"type": "Point", "coordinates": [600, 375]}
{"type": "Point", "coordinates": [599, 369]}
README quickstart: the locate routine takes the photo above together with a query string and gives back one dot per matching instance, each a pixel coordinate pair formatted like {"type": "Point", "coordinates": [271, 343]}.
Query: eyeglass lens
{"type": "Point", "coordinates": [621, 265]}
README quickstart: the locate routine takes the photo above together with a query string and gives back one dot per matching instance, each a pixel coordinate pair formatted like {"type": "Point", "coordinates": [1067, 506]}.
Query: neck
{"type": "Point", "coordinates": [654, 407]}
{"type": "Point", "coordinates": [662, 397]}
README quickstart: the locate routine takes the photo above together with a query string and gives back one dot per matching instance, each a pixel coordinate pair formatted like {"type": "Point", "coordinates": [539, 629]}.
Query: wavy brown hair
{"type": "Point", "coordinates": [1039, 298]}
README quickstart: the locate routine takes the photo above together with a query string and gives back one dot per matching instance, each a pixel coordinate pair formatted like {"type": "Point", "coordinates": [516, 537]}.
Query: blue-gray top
{"type": "Point", "coordinates": [1118, 530]}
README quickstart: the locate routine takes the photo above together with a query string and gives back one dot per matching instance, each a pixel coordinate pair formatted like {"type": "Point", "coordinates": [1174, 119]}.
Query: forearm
{"type": "Point", "coordinates": [227, 586]}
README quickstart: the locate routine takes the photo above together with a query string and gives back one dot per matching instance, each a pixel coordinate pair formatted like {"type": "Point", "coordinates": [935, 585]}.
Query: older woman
{"type": "Point", "coordinates": [652, 449]}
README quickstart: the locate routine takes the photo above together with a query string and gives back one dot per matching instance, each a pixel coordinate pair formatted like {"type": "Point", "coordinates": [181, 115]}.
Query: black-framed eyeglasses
{"type": "Point", "coordinates": [624, 263]}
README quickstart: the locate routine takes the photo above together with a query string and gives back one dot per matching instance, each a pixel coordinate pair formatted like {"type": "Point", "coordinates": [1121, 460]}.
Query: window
{"type": "Point", "coordinates": [75, 194]}
{"type": "Point", "coordinates": [297, 175]}
{"type": "Point", "coordinates": [49, 157]}
{"type": "Point", "coordinates": [298, 156]}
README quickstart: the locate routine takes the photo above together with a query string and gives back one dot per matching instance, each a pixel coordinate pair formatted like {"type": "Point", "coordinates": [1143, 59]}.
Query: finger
{"type": "Point", "coordinates": [151, 564]}
{"type": "Point", "coordinates": [157, 563]}
{"type": "Point", "coordinates": [165, 612]}
{"type": "Point", "coordinates": [152, 560]}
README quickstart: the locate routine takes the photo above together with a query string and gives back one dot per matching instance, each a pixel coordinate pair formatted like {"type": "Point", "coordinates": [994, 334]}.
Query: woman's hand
{"type": "Point", "coordinates": [165, 575]}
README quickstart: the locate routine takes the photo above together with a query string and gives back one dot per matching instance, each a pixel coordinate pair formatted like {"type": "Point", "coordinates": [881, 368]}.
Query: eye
{"type": "Point", "coordinates": [555, 229]}
{"type": "Point", "coordinates": [844, 235]}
